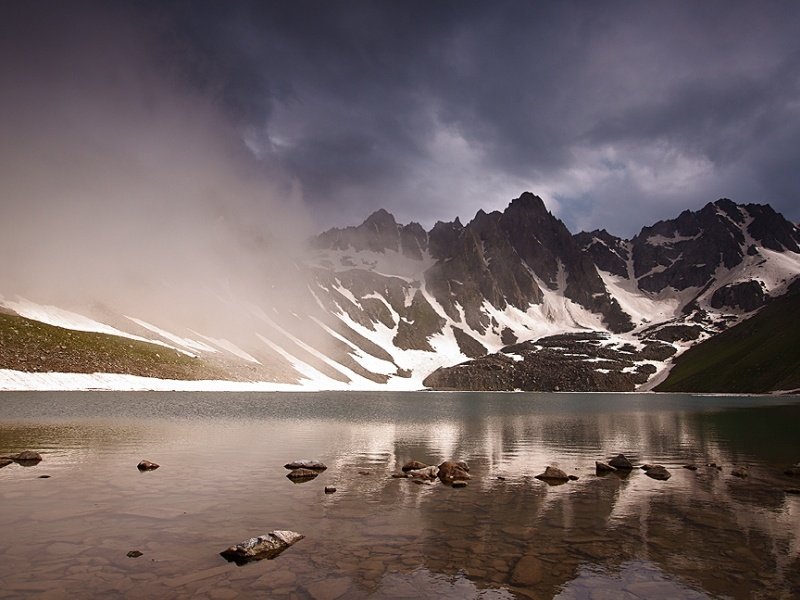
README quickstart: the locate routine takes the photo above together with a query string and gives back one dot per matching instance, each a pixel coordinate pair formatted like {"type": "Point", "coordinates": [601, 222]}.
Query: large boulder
{"type": "Point", "coordinates": [267, 546]}
{"type": "Point", "coordinates": [450, 471]}
{"type": "Point", "coordinates": [621, 463]}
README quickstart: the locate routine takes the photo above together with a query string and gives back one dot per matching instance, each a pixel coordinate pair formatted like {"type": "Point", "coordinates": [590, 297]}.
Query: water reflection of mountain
{"type": "Point", "coordinates": [701, 532]}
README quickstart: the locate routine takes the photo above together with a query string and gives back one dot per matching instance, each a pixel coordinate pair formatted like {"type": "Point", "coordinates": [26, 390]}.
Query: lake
{"type": "Point", "coordinates": [704, 533]}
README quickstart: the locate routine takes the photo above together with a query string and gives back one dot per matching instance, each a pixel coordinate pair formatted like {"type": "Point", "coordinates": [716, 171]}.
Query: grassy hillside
{"type": "Point", "coordinates": [27, 345]}
{"type": "Point", "coordinates": [759, 355]}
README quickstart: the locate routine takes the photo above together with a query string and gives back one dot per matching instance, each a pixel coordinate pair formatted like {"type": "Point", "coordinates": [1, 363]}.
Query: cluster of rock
{"type": "Point", "coordinates": [27, 458]}
{"type": "Point", "coordinates": [453, 473]}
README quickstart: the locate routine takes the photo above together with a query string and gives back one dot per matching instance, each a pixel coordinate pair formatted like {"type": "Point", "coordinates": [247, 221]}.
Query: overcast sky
{"type": "Point", "coordinates": [616, 113]}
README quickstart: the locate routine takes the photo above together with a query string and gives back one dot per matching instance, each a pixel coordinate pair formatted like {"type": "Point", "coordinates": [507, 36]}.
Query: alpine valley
{"type": "Point", "coordinates": [509, 301]}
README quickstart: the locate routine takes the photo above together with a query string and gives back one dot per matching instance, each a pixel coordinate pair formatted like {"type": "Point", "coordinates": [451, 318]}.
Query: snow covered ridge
{"type": "Point", "coordinates": [387, 305]}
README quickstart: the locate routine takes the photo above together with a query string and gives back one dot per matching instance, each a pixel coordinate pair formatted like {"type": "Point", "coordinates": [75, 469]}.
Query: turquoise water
{"type": "Point", "coordinates": [702, 533]}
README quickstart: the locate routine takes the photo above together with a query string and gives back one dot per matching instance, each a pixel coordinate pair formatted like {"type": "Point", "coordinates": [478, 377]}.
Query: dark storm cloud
{"type": "Point", "coordinates": [618, 113]}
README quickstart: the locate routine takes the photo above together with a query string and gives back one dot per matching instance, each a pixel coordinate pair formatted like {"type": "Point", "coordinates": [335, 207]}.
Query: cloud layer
{"type": "Point", "coordinates": [617, 114]}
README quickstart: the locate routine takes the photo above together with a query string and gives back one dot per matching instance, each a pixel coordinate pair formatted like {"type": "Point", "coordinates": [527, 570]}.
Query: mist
{"type": "Point", "coordinates": [122, 186]}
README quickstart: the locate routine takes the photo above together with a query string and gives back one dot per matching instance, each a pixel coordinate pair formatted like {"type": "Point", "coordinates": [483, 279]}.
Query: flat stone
{"type": "Point", "coordinates": [134, 554]}
{"type": "Point", "coordinates": [146, 465]}
{"type": "Point", "coordinates": [690, 467]}
{"type": "Point", "coordinates": [313, 465]}
{"type": "Point", "coordinates": [459, 484]}
{"type": "Point", "coordinates": [267, 546]}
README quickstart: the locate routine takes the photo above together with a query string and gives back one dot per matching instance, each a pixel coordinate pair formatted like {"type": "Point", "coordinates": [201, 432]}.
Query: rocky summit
{"type": "Point", "coordinates": [509, 300]}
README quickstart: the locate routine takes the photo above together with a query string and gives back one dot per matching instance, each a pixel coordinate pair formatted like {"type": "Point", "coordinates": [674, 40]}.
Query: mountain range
{"type": "Point", "coordinates": [511, 300]}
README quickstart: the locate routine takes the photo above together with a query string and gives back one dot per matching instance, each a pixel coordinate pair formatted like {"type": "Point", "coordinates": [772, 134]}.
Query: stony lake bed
{"type": "Point", "coordinates": [702, 533]}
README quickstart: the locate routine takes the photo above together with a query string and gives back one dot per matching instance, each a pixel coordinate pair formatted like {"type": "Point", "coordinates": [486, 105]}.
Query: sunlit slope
{"type": "Point", "coordinates": [761, 354]}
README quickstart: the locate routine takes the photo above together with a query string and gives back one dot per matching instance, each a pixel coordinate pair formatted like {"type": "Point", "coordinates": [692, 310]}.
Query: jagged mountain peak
{"type": "Point", "coordinates": [381, 220]}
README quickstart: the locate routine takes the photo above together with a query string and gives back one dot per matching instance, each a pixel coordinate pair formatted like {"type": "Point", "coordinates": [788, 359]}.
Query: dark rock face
{"type": "Point", "coordinates": [420, 323]}
{"type": "Point", "coordinates": [685, 252]}
{"type": "Point", "coordinates": [568, 362]}
{"type": "Point", "coordinates": [495, 257]}
{"type": "Point", "coordinates": [747, 295]}
{"type": "Point", "coordinates": [608, 252]}
{"type": "Point", "coordinates": [378, 233]}
{"type": "Point", "coordinates": [674, 333]}
{"type": "Point", "coordinates": [468, 345]}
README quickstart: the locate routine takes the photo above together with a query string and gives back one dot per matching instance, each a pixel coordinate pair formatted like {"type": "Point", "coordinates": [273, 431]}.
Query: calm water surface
{"type": "Point", "coordinates": [702, 534]}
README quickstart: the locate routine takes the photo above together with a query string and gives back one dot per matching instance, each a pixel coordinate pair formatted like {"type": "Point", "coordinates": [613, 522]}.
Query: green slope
{"type": "Point", "coordinates": [759, 355]}
{"type": "Point", "coordinates": [28, 345]}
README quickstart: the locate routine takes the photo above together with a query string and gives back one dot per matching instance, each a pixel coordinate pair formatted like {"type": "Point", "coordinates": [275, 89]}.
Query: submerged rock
{"type": "Point", "coordinates": [621, 463]}
{"type": "Point", "coordinates": [740, 472]}
{"type": "Point", "coordinates": [528, 571]}
{"type": "Point", "coordinates": [793, 471]}
{"type": "Point", "coordinates": [602, 468]}
{"type": "Point", "coordinates": [134, 554]}
{"type": "Point", "coordinates": [658, 472]}
{"type": "Point", "coordinates": [553, 474]}
{"type": "Point", "coordinates": [414, 465]}
{"type": "Point", "coordinates": [312, 465]}
{"type": "Point", "coordinates": [267, 546]}
{"type": "Point", "coordinates": [690, 467]}
{"type": "Point", "coordinates": [459, 484]}
{"type": "Point", "coordinates": [146, 465]}
{"type": "Point", "coordinates": [300, 475]}
{"type": "Point", "coordinates": [450, 471]}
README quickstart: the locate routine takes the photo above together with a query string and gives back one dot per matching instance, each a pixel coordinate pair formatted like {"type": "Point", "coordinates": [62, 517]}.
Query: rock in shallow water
{"type": "Point", "coordinates": [134, 554]}
{"type": "Point", "coordinates": [267, 546]}
{"type": "Point", "coordinates": [312, 465]}
{"type": "Point", "coordinates": [450, 471]}
{"type": "Point", "coordinates": [602, 468]}
{"type": "Point", "coordinates": [621, 463]}
{"type": "Point", "coordinates": [658, 472]}
{"type": "Point", "coordinates": [553, 474]}
{"type": "Point", "coordinates": [301, 475]}
{"type": "Point", "coordinates": [413, 465]}
{"type": "Point", "coordinates": [4, 462]}
{"type": "Point", "coordinates": [146, 465]}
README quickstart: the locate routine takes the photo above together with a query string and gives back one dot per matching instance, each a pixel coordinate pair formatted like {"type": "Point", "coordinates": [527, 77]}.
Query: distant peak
{"type": "Point", "coordinates": [528, 202]}
{"type": "Point", "coordinates": [381, 218]}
